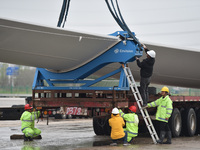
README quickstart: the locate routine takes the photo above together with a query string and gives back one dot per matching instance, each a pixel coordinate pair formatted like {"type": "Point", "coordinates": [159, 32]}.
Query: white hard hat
{"type": "Point", "coordinates": [115, 111]}
{"type": "Point", "coordinates": [151, 53]}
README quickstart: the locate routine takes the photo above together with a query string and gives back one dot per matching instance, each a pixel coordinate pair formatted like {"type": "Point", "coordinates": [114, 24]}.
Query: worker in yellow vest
{"type": "Point", "coordinates": [131, 123]}
{"type": "Point", "coordinates": [28, 123]}
{"type": "Point", "coordinates": [164, 111]}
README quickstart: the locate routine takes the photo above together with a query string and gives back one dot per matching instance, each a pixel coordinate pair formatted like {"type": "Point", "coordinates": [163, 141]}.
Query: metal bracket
{"type": "Point", "coordinates": [76, 79]}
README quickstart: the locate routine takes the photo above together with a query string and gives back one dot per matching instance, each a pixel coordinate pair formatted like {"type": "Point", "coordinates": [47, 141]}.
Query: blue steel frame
{"type": "Point", "coordinates": [123, 52]}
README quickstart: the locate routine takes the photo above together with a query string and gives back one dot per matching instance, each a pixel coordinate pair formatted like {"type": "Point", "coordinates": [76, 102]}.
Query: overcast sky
{"type": "Point", "coordinates": [167, 22]}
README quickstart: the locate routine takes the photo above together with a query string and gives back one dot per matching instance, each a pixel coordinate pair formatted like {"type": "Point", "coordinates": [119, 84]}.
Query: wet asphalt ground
{"type": "Point", "coordinates": [78, 134]}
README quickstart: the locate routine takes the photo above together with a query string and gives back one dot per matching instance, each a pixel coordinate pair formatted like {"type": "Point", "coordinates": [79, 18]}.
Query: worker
{"type": "Point", "coordinates": [146, 72]}
{"type": "Point", "coordinates": [117, 133]}
{"type": "Point", "coordinates": [164, 111]}
{"type": "Point", "coordinates": [28, 122]}
{"type": "Point", "coordinates": [131, 123]}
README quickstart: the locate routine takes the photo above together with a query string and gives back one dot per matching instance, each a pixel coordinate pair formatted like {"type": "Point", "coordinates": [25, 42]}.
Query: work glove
{"type": "Point", "coordinates": [144, 46]}
{"type": "Point", "coordinates": [145, 107]}
{"type": "Point", "coordinates": [136, 58]}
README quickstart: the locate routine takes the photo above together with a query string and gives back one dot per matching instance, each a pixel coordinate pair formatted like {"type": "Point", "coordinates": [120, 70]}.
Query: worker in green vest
{"type": "Point", "coordinates": [131, 123]}
{"type": "Point", "coordinates": [164, 111]}
{"type": "Point", "coordinates": [28, 123]}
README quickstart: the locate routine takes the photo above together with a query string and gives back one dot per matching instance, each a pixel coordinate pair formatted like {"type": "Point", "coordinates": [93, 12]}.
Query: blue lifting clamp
{"type": "Point", "coordinates": [123, 52]}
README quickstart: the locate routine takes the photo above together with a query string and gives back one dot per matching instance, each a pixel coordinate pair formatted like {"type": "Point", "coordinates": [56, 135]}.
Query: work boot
{"type": "Point", "coordinates": [25, 138]}
{"type": "Point", "coordinates": [132, 141]}
{"type": "Point", "coordinates": [126, 144]}
{"type": "Point", "coordinates": [30, 138]}
{"type": "Point", "coordinates": [169, 137]}
{"type": "Point", "coordinates": [162, 136]}
{"type": "Point", "coordinates": [113, 144]}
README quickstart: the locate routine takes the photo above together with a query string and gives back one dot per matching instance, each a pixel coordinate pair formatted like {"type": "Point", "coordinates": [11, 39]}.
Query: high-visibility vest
{"type": "Point", "coordinates": [164, 109]}
{"type": "Point", "coordinates": [28, 119]}
{"type": "Point", "coordinates": [131, 123]}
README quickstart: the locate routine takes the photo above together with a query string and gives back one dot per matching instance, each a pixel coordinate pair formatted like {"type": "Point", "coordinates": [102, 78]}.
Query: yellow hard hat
{"type": "Point", "coordinates": [165, 89]}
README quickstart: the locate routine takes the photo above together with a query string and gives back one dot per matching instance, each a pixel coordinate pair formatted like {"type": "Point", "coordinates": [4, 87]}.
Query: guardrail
{"type": "Point", "coordinates": [15, 95]}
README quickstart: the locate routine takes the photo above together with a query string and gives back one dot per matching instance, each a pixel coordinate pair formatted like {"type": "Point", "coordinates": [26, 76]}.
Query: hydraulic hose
{"type": "Point", "coordinates": [116, 19]}
{"type": "Point", "coordinates": [66, 14]}
{"type": "Point", "coordinates": [120, 20]}
{"type": "Point", "coordinates": [63, 13]}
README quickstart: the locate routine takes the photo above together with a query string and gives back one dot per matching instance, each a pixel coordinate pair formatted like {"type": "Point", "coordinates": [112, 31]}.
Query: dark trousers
{"type": "Point", "coordinates": [163, 126]}
{"type": "Point", "coordinates": [124, 138]}
{"type": "Point", "coordinates": [144, 83]}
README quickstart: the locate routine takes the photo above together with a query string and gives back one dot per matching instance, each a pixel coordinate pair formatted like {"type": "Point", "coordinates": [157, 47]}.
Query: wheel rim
{"type": "Point", "coordinates": [177, 123]}
{"type": "Point", "coordinates": [192, 122]}
{"type": "Point", "coordinates": [63, 116]}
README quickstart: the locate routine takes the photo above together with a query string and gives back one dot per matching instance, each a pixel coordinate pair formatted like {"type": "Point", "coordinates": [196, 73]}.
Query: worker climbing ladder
{"type": "Point", "coordinates": [139, 101]}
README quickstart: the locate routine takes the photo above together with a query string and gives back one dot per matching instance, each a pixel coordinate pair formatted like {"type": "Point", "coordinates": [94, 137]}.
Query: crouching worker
{"type": "Point", "coordinates": [28, 123]}
{"type": "Point", "coordinates": [164, 111]}
{"type": "Point", "coordinates": [117, 132]}
{"type": "Point", "coordinates": [131, 123]}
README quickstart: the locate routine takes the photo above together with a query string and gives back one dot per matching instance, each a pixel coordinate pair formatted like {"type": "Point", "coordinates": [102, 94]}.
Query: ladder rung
{"type": "Point", "coordinates": [135, 93]}
{"type": "Point", "coordinates": [153, 133]}
{"type": "Point", "coordinates": [146, 117]}
{"type": "Point", "coordinates": [132, 85]}
{"type": "Point", "coordinates": [139, 100]}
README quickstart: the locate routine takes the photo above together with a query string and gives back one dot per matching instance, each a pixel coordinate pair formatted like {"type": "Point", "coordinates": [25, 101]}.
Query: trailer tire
{"type": "Point", "coordinates": [175, 123]}
{"type": "Point", "coordinates": [198, 121]}
{"type": "Point", "coordinates": [64, 116]}
{"type": "Point", "coordinates": [107, 128]}
{"type": "Point", "coordinates": [101, 125]}
{"type": "Point", "coordinates": [69, 117]}
{"type": "Point", "coordinates": [97, 127]}
{"type": "Point", "coordinates": [58, 116]}
{"type": "Point", "coordinates": [189, 122]}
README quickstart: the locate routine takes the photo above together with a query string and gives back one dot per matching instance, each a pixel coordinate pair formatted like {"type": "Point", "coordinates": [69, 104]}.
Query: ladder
{"type": "Point", "coordinates": [139, 101]}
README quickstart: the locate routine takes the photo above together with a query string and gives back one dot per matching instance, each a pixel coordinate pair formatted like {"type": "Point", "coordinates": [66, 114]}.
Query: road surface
{"type": "Point", "coordinates": [77, 134]}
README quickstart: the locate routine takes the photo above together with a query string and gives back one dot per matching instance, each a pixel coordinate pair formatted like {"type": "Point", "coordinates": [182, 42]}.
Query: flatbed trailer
{"type": "Point", "coordinates": [88, 103]}
{"type": "Point", "coordinates": [185, 119]}
{"type": "Point", "coordinates": [71, 93]}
